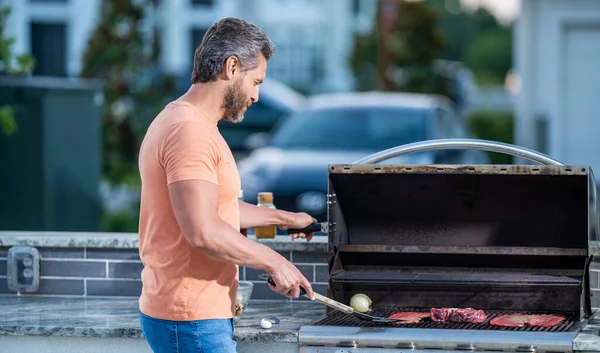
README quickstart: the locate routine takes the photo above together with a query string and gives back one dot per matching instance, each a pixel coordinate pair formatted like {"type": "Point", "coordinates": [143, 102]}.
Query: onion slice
{"type": "Point", "coordinates": [360, 303]}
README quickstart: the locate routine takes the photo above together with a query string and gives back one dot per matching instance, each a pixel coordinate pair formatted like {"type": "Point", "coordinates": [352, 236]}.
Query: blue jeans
{"type": "Point", "coordinates": [203, 336]}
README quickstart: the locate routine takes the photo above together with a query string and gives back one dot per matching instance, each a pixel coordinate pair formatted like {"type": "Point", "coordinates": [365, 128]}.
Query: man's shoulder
{"type": "Point", "coordinates": [179, 118]}
{"type": "Point", "coordinates": [174, 114]}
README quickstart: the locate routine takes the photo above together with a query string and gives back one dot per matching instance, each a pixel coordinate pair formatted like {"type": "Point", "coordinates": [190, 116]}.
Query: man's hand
{"type": "Point", "coordinates": [299, 221]}
{"type": "Point", "coordinates": [252, 216]}
{"type": "Point", "coordinates": [288, 280]}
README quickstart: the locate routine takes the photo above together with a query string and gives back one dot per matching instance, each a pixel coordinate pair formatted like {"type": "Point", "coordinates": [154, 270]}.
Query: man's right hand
{"type": "Point", "coordinates": [288, 280]}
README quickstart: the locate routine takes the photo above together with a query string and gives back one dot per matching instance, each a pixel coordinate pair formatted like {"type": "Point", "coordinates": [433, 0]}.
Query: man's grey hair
{"type": "Point", "coordinates": [226, 38]}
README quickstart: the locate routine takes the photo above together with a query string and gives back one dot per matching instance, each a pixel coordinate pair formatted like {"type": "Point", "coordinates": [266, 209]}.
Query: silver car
{"type": "Point", "coordinates": [341, 128]}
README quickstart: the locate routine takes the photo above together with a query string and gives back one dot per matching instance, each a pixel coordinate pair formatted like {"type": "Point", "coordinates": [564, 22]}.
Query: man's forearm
{"type": "Point", "coordinates": [228, 245]}
{"type": "Point", "coordinates": [252, 216]}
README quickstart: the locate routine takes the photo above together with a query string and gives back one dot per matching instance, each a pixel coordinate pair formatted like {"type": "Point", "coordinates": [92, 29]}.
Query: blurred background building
{"type": "Point", "coordinates": [557, 57]}
{"type": "Point", "coordinates": [516, 71]}
{"type": "Point", "coordinates": [309, 40]}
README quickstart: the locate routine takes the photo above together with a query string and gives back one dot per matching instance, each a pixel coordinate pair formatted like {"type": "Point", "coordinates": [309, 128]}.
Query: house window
{"type": "Point", "coordinates": [202, 2]}
{"type": "Point", "coordinates": [49, 48]}
{"type": "Point", "coordinates": [297, 64]}
{"type": "Point", "coordinates": [196, 35]}
{"type": "Point", "coordinates": [300, 58]}
{"type": "Point", "coordinates": [355, 7]}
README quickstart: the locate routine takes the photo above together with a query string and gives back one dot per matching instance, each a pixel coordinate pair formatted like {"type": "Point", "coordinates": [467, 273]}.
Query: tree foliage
{"type": "Point", "coordinates": [495, 126]}
{"type": "Point", "coordinates": [120, 53]}
{"type": "Point", "coordinates": [490, 56]}
{"type": "Point", "coordinates": [477, 39]}
{"type": "Point", "coordinates": [24, 65]}
{"type": "Point", "coordinates": [407, 51]}
{"type": "Point", "coordinates": [426, 31]}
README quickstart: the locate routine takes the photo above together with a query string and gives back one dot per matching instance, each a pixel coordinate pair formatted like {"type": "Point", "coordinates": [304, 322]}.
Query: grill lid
{"type": "Point", "coordinates": [490, 237]}
{"type": "Point", "coordinates": [460, 209]}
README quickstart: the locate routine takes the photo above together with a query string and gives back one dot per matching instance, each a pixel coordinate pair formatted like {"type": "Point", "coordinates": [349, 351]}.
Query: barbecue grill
{"type": "Point", "coordinates": [501, 238]}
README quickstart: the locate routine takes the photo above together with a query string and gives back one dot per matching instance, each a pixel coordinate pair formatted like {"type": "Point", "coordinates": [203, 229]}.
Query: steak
{"type": "Point", "coordinates": [545, 320]}
{"type": "Point", "coordinates": [458, 315]}
{"type": "Point", "coordinates": [409, 317]}
{"type": "Point", "coordinates": [512, 320]}
{"type": "Point", "coordinates": [519, 320]}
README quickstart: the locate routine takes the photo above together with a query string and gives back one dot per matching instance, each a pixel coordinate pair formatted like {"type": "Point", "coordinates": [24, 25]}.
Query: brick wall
{"type": "Point", "coordinates": [116, 272]}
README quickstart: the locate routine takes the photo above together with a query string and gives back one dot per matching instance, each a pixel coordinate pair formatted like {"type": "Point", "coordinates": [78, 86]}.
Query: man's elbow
{"type": "Point", "coordinates": [203, 238]}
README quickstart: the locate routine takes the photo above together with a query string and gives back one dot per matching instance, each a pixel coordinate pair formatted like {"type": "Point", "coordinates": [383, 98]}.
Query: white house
{"type": "Point", "coordinates": [557, 60]}
{"type": "Point", "coordinates": [313, 38]}
{"type": "Point", "coordinates": [54, 31]}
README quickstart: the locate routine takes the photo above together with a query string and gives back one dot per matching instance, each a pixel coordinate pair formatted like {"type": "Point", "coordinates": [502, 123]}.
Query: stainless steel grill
{"type": "Point", "coordinates": [503, 239]}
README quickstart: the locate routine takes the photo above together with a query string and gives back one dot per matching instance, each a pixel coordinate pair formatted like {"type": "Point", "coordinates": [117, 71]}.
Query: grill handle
{"type": "Point", "coordinates": [587, 305]}
{"type": "Point", "coordinates": [443, 144]}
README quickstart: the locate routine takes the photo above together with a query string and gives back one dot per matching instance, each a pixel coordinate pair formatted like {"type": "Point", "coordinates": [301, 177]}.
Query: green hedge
{"type": "Point", "coordinates": [120, 221]}
{"type": "Point", "coordinates": [494, 126]}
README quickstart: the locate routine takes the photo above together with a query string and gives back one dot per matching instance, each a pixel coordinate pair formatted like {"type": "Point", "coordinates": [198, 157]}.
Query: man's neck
{"type": "Point", "coordinates": [207, 98]}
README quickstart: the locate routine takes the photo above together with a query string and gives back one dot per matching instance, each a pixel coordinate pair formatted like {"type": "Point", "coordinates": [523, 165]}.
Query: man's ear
{"type": "Point", "coordinates": [232, 67]}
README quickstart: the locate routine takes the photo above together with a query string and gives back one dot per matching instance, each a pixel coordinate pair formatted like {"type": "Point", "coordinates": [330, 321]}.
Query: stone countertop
{"type": "Point", "coordinates": [130, 241]}
{"type": "Point", "coordinates": [119, 317]}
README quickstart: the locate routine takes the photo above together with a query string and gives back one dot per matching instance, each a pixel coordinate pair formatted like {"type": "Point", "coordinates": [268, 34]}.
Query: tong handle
{"type": "Point", "coordinates": [315, 227]}
{"type": "Point", "coordinates": [271, 282]}
{"type": "Point", "coordinates": [322, 299]}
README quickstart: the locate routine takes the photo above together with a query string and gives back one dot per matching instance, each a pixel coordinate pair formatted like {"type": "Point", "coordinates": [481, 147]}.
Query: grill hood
{"type": "Point", "coordinates": [489, 237]}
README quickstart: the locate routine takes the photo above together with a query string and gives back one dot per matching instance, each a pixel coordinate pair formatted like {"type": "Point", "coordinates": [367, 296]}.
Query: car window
{"type": "Point", "coordinates": [352, 129]}
{"type": "Point", "coordinates": [261, 113]}
{"type": "Point", "coordinates": [258, 115]}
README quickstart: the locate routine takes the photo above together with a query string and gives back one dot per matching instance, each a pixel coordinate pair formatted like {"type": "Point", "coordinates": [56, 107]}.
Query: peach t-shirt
{"type": "Point", "coordinates": [178, 281]}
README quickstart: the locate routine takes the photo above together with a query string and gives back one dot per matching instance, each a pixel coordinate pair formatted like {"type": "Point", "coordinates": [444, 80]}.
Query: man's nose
{"type": "Point", "coordinates": [254, 96]}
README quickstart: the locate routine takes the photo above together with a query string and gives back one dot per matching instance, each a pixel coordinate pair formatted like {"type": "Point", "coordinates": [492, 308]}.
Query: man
{"type": "Point", "coordinates": [190, 216]}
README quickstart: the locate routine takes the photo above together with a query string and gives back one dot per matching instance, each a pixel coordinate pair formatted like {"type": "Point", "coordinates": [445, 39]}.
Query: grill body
{"type": "Point", "coordinates": [504, 239]}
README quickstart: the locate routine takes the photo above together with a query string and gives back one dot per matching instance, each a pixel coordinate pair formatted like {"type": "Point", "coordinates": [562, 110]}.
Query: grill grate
{"type": "Point", "coordinates": [336, 318]}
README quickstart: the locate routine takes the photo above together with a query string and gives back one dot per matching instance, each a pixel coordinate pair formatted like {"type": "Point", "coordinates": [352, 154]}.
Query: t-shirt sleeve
{"type": "Point", "coordinates": [190, 152]}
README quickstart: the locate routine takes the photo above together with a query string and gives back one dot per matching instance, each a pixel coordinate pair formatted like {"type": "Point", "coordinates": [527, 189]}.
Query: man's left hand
{"type": "Point", "coordinates": [299, 221]}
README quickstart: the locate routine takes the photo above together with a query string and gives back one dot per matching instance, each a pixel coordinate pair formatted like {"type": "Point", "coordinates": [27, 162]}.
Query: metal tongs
{"type": "Point", "coordinates": [348, 310]}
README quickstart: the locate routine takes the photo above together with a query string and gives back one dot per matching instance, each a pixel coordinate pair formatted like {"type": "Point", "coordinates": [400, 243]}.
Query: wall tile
{"type": "Point", "coordinates": [114, 288]}
{"type": "Point", "coordinates": [114, 254]}
{"type": "Point", "coordinates": [72, 268]}
{"type": "Point", "coordinates": [125, 270]}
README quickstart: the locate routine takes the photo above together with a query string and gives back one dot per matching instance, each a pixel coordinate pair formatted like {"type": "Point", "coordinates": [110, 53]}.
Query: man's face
{"type": "Point", "coordinates": [243, 91]}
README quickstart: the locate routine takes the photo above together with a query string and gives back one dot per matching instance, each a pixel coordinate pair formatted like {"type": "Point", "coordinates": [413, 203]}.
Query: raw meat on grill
{"type": "Point", "coordinates": [519, 320]}
{"type": "Point", "coordinates": [409, 316]}
{"type": "Point", "coordinates": [545, 320]}
{"type": "Point", "coordinates": [512, 320]}
{"type": "Point", "coordinates": [458, 315]}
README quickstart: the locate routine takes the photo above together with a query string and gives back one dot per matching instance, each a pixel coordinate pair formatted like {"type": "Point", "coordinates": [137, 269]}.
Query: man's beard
{"type": "Point", "coordinates": [234, 103]}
